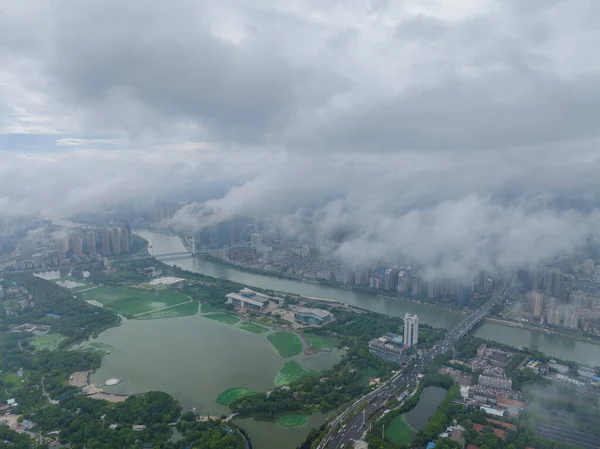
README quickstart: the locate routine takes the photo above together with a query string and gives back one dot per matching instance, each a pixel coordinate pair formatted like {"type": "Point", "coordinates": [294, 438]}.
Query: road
{"type": "Point", "coordinates": [353, 422]}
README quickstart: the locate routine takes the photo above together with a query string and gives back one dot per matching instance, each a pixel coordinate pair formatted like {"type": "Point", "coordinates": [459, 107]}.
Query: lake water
{"type": "Point", "coordinates": [428, 403]}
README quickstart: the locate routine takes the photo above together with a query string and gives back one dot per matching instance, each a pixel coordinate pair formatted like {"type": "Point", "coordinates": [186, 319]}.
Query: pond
{"type": "Point", "coordinates": [431, 397]}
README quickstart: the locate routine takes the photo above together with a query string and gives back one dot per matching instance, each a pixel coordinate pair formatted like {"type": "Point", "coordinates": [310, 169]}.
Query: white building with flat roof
{"type": "Point", "coordinates": [248, 299]}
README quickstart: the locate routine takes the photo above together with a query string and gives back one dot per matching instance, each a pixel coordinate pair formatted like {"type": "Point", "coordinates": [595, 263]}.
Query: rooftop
{"type": "Point", "coordinates": [317, 312]}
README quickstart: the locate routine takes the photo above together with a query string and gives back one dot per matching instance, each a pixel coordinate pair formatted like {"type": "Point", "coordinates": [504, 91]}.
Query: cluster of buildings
{"type": "Point", "coordinates": [394, 348]}
{"type": "Point", "coordinates": [247, 299]}
{"type": "Point", "coordinates": [564, 293]}
{"type": "Point", "coordinates": [81, 243]}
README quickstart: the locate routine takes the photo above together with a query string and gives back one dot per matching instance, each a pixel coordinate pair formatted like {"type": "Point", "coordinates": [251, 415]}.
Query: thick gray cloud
{"type": "Point", "coordinates": [440, 130]}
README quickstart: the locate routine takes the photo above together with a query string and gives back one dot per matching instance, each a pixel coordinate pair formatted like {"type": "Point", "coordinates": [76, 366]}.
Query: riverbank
{"type": "Point", "coordinates": [507, 323]}
{"type": "Point", "coordinates": [544, 330]}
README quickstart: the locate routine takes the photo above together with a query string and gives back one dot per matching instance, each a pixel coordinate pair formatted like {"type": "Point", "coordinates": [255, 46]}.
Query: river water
{"type": "Point", "coordinates": [557, 346]}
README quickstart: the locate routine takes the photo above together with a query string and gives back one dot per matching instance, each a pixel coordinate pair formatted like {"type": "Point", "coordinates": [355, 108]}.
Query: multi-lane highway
{"type": "Point", "coordinates": [351, 424]}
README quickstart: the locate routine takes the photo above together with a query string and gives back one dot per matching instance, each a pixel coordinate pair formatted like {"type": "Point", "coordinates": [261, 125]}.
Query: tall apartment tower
{"type": "Point", "coordinates": [115, 241]}
{"type": "Point", "coordinates": [106, 235]}
{"type": "Point", "coordinates": [411, 330]}
{"type": "Point", "coordinates": [537, 300]}
{"type": "Point", "coordinates": [90, 243]}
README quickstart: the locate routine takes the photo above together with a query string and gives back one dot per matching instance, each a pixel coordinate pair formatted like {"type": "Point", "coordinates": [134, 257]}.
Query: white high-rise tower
{"type": "Point", "coordinates": [411, 330]}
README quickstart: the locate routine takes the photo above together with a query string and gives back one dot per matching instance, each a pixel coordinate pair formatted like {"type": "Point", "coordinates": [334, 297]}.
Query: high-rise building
{"type": "Point", "coordinates": [76, 245]}
{"type": "Point", "coordinates": [554, 284]}
{"type": "Point", "coordinates": [125, 239]}
{"type": "Point", "coordinates": [115, 240]}
{"type": "Point", "coordinates": [90, 243]}
{"type": "Point", "coordinates": [537, 300]}
{"type": "Point", "coordinates": [554, 316]}
{"type": "Point", "coordinates": [63, 247]}
{"type": "Point", "coordinates": [389, 279]}
{"type": "Point", "coordinates": [403, 283]}
{"type": "Point", "coordinates": [106, 236]}
{"type": "Point", "coordinates": [580, 300]}
{"type": "Point", "coordinates": [255, 239]}
{"type": "Point", "coordinates": [415, 288]}
{"type": "Point", "coordinates": [535, 279]}
{"type": "Point", "coordinates": [432, 289]}
{"type": "Point", "coordinates": [411, 330]}
{"type": "Point", "coordinates": [571, 317]}
{"type": "Point", "coordinates": [588, 267]}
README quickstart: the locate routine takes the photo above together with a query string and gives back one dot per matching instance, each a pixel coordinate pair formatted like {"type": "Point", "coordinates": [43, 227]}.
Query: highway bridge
{"type": "Point", "coordinates": [351, 424]}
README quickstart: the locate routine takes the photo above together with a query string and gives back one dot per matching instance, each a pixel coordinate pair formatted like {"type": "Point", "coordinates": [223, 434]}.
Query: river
{"type": "Point", "coordinates": [555, 345]}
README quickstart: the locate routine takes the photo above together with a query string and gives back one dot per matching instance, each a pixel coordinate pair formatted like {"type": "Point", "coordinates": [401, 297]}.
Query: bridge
{"type": "Point", "coordinates": [351, 425]}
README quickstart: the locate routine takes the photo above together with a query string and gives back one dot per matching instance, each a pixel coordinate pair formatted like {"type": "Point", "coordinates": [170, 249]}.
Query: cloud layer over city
{"type": "Point", "coordinates": [446, 131]}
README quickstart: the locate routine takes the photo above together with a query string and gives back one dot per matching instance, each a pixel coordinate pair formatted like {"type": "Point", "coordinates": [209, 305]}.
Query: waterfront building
{"type": "Point", "coordinates": [411, 330]}
{"type": "Point", "coordinates": [537, 300]}
{"type": "Point", "coordinates": [389, 347]}
{"type": "Point", "coordinates": [415, 285]}
{"type": "Point", "coordinates": [312, 316]}
{"type": "Point", "coordinates": [402, 283]}
{"type": "Point", "coordinates": [249, 299]}
{"type": "Point", "coordinates": [389, 279]}
{"type": "Point", "coordinates": [571, 318]}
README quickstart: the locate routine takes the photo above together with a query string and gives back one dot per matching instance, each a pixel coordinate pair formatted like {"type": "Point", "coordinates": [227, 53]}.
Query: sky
{"type": "Point", "coordinates": [442, 130]}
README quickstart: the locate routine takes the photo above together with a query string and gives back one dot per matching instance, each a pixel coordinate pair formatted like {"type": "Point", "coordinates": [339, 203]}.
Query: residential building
{"type": "Point", "coordinates": [312, 316]}
{"type": "Point", "coordinates": [76, 245]}
{"type": "Point", "coordinates": [537, 300]}
{"type": "Point", "coordinates": [90, 243]}
{"type": "Point", "coordinates": [402, 282]}
{"type": "Point", "coordinates": [390, 279]}
{"type": "Point", "coordinates": [588, 267]}
{"type": "Point", "coordinates": [115, 241]}
{"type": "Point", "coordinates": [106, 235]}
{"type": "Point", "coordinates": [411, 330]}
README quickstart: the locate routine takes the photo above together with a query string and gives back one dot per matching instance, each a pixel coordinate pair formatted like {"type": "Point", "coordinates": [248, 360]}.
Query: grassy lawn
{"type": "Point", "coordinates": [48, 342]}
{"type": "Point", "coordinates": [232, 394]}
{"type": "Point", "coordinates": [223, 318]}
{"type": "Point", "coordinates": [291, 372]}
{"type": "Point", "coordinates": [188, 309]}
{"type": "Point", "coordinates": [292, 421]}
{"type": "Point", "coordinates": [399, 431]}
{"type": "Point", "coordinates": [286, 343]}
{"type": "Point", "coordinates": [320, 342]}
{"type": "Point", "coordinates": [11, 381]}
{"type": "Point", "coordinates": [132, 301]}
{"type": "Point", "coordinates": [254, 328]}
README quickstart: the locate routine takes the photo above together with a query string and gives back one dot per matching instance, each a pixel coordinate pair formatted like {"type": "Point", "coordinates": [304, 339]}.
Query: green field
{"type": "Point", "coordinates": [320, 342]}
{"type": "Point", "coordinates": [399, 431]}
{"type": "Point", "coordinates": [286, 343]}
{"type": "Point", "coordinates": [223, 318]}
{"type": "Point", "coordinates": [11, 381]}
{"type": "Point", "coordinates": [254, 328]}
{"type": "Point", "coordinates": [291, 372]}
{"type": "Point", "coordinates": [130, 301]}
{"type": "Point", "coordinates": [292, 421]}
{"type": "Point", "coordinates": [232, 394]}
{"type": "Point", "coordinates": [48, 342]}
{"type": "Point", "coordinates": [187, 309]}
